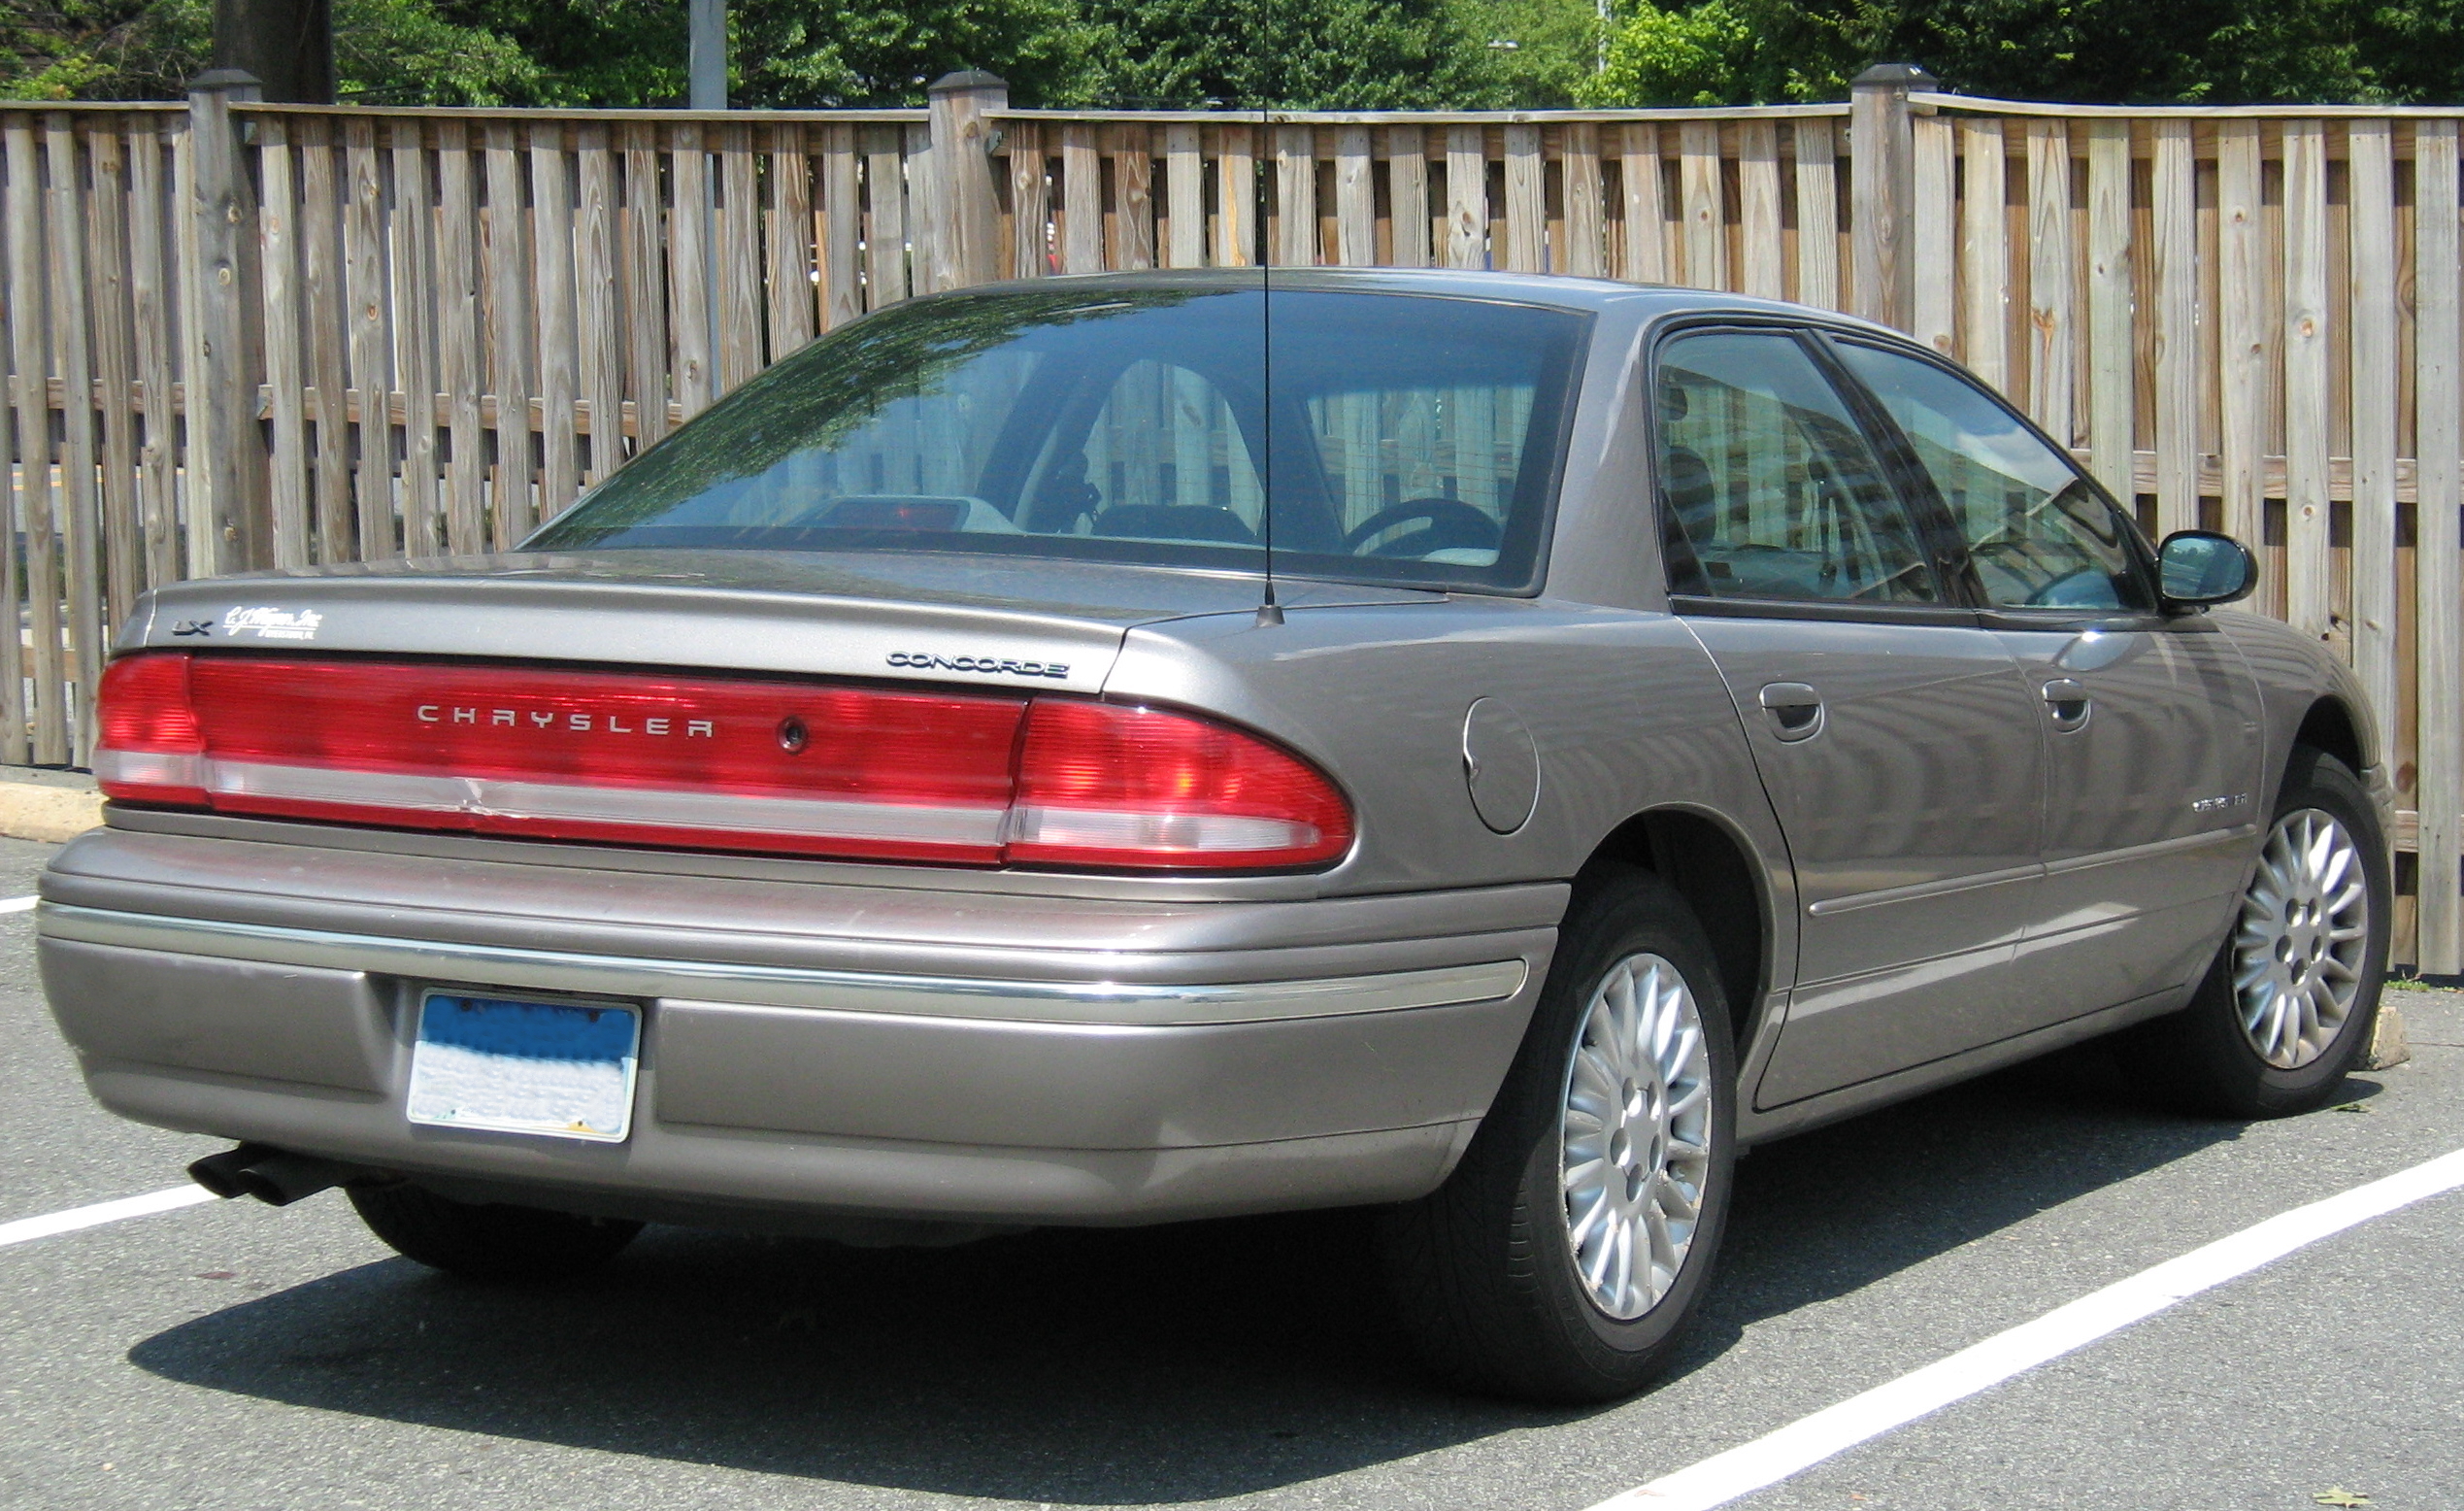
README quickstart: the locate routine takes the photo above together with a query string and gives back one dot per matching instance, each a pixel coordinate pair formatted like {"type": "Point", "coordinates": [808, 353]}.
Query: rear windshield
{"type": "Point", "coordinates": [1400, 439]}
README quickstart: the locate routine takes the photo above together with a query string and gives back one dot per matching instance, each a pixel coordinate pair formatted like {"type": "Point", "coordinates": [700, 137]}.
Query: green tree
{"type": "Point", "coordinates": [391, 51]}
{"type": "Point", "coordinates": [1322, 54]}
{"type": "Point", "coordinates": [1541, 52]}
{"type": "Point", "coordinates": [1704, 54]}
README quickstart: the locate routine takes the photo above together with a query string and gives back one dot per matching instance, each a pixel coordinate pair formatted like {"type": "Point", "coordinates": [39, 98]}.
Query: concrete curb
{"type": "Point", "coordinates": [49, 805]}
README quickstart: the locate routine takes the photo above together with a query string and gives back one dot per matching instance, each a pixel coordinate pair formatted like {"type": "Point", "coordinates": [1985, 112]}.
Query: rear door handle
{"type": "Point", "coordinates": [1795, 710]}
{"type": "Point", "coordinates": [2068, 702]}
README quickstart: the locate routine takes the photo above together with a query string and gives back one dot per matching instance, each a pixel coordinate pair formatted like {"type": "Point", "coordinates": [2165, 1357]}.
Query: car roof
{"type": "Point", "coordinates": [1647, 301]}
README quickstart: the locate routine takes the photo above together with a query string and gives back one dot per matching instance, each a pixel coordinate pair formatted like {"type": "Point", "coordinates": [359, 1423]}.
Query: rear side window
{"type": "Point", "coordinates": [1769, 485]}
{"type": "Point", "coordinates": [2039, 535]}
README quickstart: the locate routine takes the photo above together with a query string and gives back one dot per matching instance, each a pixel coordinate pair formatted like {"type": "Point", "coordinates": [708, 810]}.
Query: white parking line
{"type": "Point", "coordinates": [1809, 1441]}
{"type": "Point", "coordinates": [17, 904]}
{"type": "Point", "coordinates": [28, 1228]}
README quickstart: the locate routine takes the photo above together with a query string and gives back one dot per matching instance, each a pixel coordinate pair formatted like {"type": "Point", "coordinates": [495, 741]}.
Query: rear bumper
{"type": "Point", "coordinates": [871, 1051]}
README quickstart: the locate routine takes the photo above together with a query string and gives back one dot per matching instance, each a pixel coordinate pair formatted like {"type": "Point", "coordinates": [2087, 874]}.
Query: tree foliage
{"type": "Point", "coordinates": [1361, 54]}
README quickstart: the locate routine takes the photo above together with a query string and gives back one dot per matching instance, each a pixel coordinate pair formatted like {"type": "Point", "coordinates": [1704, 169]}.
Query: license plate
{"type": "Point", "coordinates": [558, 1068]}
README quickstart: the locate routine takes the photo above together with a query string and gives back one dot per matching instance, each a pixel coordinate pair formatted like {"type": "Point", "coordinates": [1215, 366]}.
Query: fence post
{"type": "Point", "coordinates": [1882, 164]}
{"type": "Point", "coordinates": [966, 249]}
{"type": "Point", "coordinates": [226, 449]}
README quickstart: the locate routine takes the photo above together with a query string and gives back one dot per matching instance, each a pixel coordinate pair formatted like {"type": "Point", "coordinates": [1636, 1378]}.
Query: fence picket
{"type": "Point", "coordinates": [1934, 309]}
{"type": "Point", "coordinates": [2174, 264]}
{"type": "Point", "coordinates": [552, 294]}
{"type": "Point", "coordinates": [328, 299]}
{"type": "Point", "coordinates": [1701, 197]}
{"type": "Point", "coordinates": [842, 293]}
{"type": "Point", "coordinates": [2240, 305]}
{"type": "Point", "coordinates": [1761, 246]}
{"type": "Point", "coordinates": [2111, 394]}
{"type": "Point", "coordinates": [1355, 199]}
{"type": "Point", "coordinates": [1644, 250]}
{"type": "Point", "coordinates": [2438, 553]}
{"type": "Point", "coordinates": [71, 687]}
{"type": "Point", "coordinates": [1984, 251]}
{"type": "Point", "coordinates": [1466, 197]}
{"type": "Point", "coordinates": [114, 363]}
{"type": "Point", "coordinates": [1526, 201]}
{"type": "Point", "coordinates": [1237, 242]}
{"type": "Point", "coordinates": [1296, 196]}
{"type": "Point", "coordinates": [1184, 197]}
{"type": "Point", "coordinates": [510, 334]}
{"type": "Point", "coordinates": [1134, 164]}
{"type": "Point", "coordinates": [285, 379]}
{"type": "Point", "coordinates": [151, 314]}
{"type": "Point", "coordinates": [2305, 386]}
{"type": "Point", "coordinates": [370, 337]}
{"type": "Point", "coordinates": [2051, 339]}
{"type": "Point", "coordinates": [1407, 190]}
{"type": "Point", "coordinates": [459, 361]}
{"type": "Point", "coordinates": [599, 306]}
{"type": "Point", "coordinates": [31, 367]}
{"type": "Point", "coordinates": [2370, 148]}
{"type": "Point", "coordinates": [1818, 215]}
{"type": "Point", "coordinates": [1081, 201]}
{"type": "Point", "coordinates": [414, 229]}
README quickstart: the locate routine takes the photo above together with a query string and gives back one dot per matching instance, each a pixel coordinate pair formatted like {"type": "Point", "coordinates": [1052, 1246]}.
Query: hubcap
{"type": "Point", "coordinates": [2297, 952]}
{"type": "Point", "coordinates": [1634, 1139]}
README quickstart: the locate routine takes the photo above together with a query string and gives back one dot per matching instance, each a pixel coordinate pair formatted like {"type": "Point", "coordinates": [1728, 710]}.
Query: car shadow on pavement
{"type": "Point", "coordinates": [1140, 1366]}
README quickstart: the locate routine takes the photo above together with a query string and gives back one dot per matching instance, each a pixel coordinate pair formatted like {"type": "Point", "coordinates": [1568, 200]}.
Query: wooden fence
{"type": "Point", "coordinates": [309, 334]}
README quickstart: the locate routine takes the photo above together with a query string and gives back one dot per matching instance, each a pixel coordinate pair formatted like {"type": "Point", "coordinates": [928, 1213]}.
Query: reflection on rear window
{"type": "Point", "coordinates": [1396, 438]}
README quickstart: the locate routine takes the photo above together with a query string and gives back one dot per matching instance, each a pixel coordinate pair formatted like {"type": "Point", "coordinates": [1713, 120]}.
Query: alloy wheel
{"type": "Point", "coordinates": [2297, 951]}
{"type": "Point", "coordinates": [1634, 1135]}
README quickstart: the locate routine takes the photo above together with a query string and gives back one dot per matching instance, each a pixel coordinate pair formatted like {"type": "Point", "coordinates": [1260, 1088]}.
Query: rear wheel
{"type": "Point", "coordinates": [489, 1242]}
{"type": "Point", "coordinates": [1563, 1257]}
{"type": "Point", "coordinates": [2292, 1001]}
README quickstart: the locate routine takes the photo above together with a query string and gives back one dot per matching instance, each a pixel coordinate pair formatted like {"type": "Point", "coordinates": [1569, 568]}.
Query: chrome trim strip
{"type": "Point", "coordinates": [1117, 1004]}
{"type": "Point", "coordinates": [1857, 901]}
{"type": "Point", "coordinates": [2181, 845]}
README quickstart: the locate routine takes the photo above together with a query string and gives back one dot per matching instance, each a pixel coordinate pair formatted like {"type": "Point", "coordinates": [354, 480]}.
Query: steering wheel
{"type": "Point", "coordinates": [1452, 525]}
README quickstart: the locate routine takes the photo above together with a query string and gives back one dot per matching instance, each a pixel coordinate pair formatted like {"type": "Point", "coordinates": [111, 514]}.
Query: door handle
{"type": "Point", "coordinates": [1795, 710]}
{"type": "Point", "coordinates": [2068, 702]}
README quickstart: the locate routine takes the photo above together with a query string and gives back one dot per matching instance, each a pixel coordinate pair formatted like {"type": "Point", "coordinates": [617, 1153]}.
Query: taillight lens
{"type": "Point", "coordinates": [708, 763]}
{"type": "Point", "coordinates": [1105, 785]}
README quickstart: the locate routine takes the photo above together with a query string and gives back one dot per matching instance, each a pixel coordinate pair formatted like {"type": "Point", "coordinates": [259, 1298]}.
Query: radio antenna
{"type": "Point", "coordinates": [1269, 612]}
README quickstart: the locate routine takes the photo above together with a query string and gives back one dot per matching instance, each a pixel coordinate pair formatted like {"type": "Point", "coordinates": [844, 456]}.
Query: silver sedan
{"type": "Point", "coordinates": [1119, 750]}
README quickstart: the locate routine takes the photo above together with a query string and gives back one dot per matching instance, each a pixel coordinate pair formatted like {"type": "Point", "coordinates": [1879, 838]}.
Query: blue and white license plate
{"type": "Point", "coordinates": [558, 1068]}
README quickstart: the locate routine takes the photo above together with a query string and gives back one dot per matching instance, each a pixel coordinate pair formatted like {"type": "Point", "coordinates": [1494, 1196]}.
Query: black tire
{"type": "Point", "coordinates": [489, 1242]}
{"type": "Point", "coordinates": [2200, 1057]}
{"type": "Point", "coordinates": [1482, 1270]}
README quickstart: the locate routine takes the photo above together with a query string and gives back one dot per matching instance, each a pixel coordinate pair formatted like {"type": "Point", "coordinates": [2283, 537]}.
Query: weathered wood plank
{"type": "Point", "coordinates": [1408, 192]}
{"type": "Point", "coordinates": [2173, 262]}
{"type": "Point", "coordinates": [1586, 218]}
{"type": "Point", "coordinates": [2369, 149]}
{"type": "Point", "coordinates": [1466, 197]}
{"type": "Point", "coordinates": [28, 314]}
{"type": "Point", "coordinates": [1134, 169]}
{"type": "Point", "coordinates": [462, 358]}
{"type": "Point", "coordinates": [1236, 206]}
{"type": "Point", "coordinates": [1817, 213]}
{"type": "Point", "coordinates": [1700, 197]}
{"type": "Point", "coordinates": [1760, 245]}
{"type": "Point", "coordinates": [2112, 395]}
{"type": "Point", "coordinates": [2242, 304]}
{"type": "Point", "coordinates": [691, 361]}
{"type": "Point", "coordinates": [370, 336]}
{"type": "Point", "coordinates": [322, 183]}
{"type": "Point", "coordinates": [1355, 199]}
{"type": "Point", "coordinates": [1081, 201]}
{"type": "Point", "coordinates": [415, 291]}
{"type": "Point", "coordinates": [1934, 311]}
{"type": "Point", "coordinates": [1184, 197]}
{"type": "Point", "coordinates": [2307, 585]}
{"type": "Point", "coordinates": [2438, 554]}
{"type": "Point", "coordinates": [599, 305]}
{"type": "Point", "coordinates": [739, 271]}
{"type": "Point", "coordinates": [115, 360]}
{"type": "Point", "coordinates": [199, 555]}
{"type": "Point", "coordinates": [148, 288]}
{"type": "Point", "coordinates": [552, 194]}
{"type": "Point", "coordinates": [1031, 201]}
{"type": "Point", "coordinates": [1643, 255]}
{"type": "Point", "coordinates": [512, 333]}
{"type": "Point", "coordinates": [1985, 250]}
{"type": "Point", "coordinates": [1296, 197]}
{"type": "Point", "coordinates": [2053, 337]}
{"type": "Point", "coordinates": [923, 215]}
{"type": "Point", "coordinates": [72, 691]}
{"type": "Point", "coordinates": [842, 211]}
{"type": "Point", "coordinates": [285, 371]}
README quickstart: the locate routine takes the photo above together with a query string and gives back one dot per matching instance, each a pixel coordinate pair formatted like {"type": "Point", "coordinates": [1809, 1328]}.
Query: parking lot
{"type": "Point", "coordinates": [235, 1355]}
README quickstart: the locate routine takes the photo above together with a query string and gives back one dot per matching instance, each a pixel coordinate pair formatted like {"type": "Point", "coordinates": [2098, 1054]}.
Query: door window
{"type": "Point", "coordinates": [1770, 485]}
{"type": "Point", "coordinates": [2039, 536]}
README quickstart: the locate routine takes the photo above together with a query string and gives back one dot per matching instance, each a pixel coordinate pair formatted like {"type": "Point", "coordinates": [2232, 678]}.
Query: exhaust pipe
{"type": "Point", "coordinates": [269, 1174]}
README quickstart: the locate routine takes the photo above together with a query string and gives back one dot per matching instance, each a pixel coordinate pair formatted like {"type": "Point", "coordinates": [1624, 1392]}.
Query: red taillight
{"type": "Point", "coordinates": [1103, 785]}
{"type": "Point", "coordinates": [708, 762]}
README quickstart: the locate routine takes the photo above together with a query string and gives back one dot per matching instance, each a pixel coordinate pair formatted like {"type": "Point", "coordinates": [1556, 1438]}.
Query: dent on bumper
{"type": "Point", "coordinates": [848, 1090]}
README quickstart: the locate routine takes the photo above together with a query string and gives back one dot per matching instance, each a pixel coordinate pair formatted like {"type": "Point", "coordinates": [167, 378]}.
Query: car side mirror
{"type": "Point", "coordinates": [2195, 568]}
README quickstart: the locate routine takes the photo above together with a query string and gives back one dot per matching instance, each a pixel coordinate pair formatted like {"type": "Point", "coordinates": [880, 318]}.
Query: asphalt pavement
{"type": "Point", "coordinates": [238, 1356]}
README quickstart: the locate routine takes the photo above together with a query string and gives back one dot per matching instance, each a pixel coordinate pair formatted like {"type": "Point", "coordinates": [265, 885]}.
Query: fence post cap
{"type": "Point", "coordinates": [966, 79]}
{"type": "Point", "coordinates": [215, 80]}
{"type": "Point", "coordinates": [1894, 76]}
